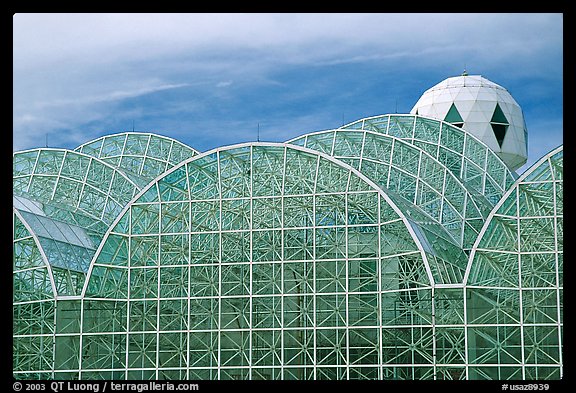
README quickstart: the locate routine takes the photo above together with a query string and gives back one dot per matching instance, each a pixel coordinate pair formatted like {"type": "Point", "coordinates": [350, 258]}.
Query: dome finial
{"type": "Point", "coordinates": [465, 73]}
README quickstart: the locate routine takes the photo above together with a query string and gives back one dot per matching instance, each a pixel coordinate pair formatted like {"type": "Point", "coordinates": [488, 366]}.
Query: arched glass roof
{"type": "Point", "coordinates": [534, 205]}
{"type": "Point", "coordinates": [298, 190]}
{"type": "Point", "coordinates": [256, 242]}
{"type": "Point", "coordinates": [338, 255]}
{"type": "Point", "coordinates": [75, 182]}
{"type": "Point", "coordinates": [205, 180]}
{"type": "Point", "coordinates": [410, 172]}
{"type": "Point", "coordinates": [468, 158]}
{"type": "Point", "coordinates": [68, 200]}
{"type": "Point", "coordinates": [142, 156]}
{"type": "Point", "coordinates": [514, 280]}
{"type": "Point", "coordinates": [32, 277]}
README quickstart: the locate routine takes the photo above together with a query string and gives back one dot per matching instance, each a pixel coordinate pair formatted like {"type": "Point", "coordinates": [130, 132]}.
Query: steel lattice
{"type": "Point", "coordinates": [395, 247]}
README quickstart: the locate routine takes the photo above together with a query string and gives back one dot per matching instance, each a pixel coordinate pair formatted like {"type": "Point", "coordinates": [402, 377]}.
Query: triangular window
{"type": "Point", "coordinates": [499, 132]}
{"type": "Point", "coordinates": [498, 116]}
{"type": "Point", "coordinates": [453, 116]}
{"type": "Point", "coordinates": [499, 124]}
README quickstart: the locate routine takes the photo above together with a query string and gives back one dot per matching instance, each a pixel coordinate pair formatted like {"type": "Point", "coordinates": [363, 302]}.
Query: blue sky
{"type": "Point", "coordinates": [210, 80]}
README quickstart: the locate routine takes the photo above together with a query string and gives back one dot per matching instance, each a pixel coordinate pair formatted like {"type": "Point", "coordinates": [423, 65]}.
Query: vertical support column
{"type": "Point", "coordinates": [128, 290]}
{"type": "Point", "coordinates": [517, 192]}
{"type": "Point", "coordinates": [251, 322]}
{"type": "Point", "coordinates": [219, 269]}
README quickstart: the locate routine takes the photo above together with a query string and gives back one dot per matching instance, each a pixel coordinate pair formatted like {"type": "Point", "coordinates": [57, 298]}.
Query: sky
{"type": "Point", "coordinates": [211, 80]}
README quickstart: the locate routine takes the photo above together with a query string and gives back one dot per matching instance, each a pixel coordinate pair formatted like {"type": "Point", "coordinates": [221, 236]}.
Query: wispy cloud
{"type": "Point", "coordinates": [75, 74]}
{"type": "Point", "coordinates": [224, 84]}
{"type": "Point", "coordinates": [110, 96]}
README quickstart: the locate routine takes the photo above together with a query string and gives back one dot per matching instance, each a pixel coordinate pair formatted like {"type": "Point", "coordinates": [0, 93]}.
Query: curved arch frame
{"type": "Point", "coordinates": [410, 295]}
{"type": "Point", "coordinates": [122, 154]}
{"type": "Point", "coordinates": [59, 175]}
{"type": "Point", "coordinates": [40, 249]}
{"type": "Point", "coordinates": [478, 202]}
{"type": "Point", "coordinates": [103, 217]}
{"type": "Point", "coordinates": [331, 159]}
{"type": "Point", "coordinates": [503, 200]}
{"type": "Point", "coordinates": [511, 296]}
{"type": "Point", "coordinates": [507, 177]}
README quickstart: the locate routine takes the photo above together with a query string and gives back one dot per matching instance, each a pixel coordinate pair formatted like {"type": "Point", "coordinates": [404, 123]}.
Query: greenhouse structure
{"type": "Point", "coordinates": [394, 247]}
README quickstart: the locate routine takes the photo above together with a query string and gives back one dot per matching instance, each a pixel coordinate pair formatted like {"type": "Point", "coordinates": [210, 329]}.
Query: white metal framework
{"type": "Point", "coordinates": [395, 247]}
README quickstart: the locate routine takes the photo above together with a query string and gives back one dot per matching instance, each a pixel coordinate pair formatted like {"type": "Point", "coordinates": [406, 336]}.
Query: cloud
{"type": "Point", "coordinates": [86, 71]}
{"type": "Point", "coordinates": [103, 38]}
{"type": "Point", "coordinates": [224, 84]}
{"type": "Point", "coordinates": [114, 95]}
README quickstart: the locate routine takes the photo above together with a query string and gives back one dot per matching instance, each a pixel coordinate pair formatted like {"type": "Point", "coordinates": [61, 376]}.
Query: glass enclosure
{"type": "Point", "coordinates": [395, 247]}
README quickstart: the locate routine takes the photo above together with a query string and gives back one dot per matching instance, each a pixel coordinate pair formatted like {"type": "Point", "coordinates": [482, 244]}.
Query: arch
{"type": "Point", "coordinates": [33, 301]}
{"type": "Point", "coordinates": [536, 194]}
{"type": "Point", "coordinates": [235, 244]}
{"type": "Point", "coordinates": [514, 279]}
{"type": "Point", "coordinates": [409, 171]}
{"type": "Point", "coordinates": [141, 156]}
{"type": "Point", "coordinates": [466, 156]}
{"type": "Point", "coordinates": [68, 200]}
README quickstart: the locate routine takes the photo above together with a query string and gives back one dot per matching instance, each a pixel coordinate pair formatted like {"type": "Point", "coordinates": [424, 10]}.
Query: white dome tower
{"type": "Point", "coordinates": [482, 108]}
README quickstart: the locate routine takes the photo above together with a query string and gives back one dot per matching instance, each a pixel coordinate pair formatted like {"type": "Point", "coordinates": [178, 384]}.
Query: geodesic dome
{"type": "Point", "coordinates": [482, 108]}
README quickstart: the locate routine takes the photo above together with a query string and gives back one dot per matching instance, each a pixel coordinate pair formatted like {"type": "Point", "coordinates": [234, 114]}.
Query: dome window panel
{"type": "Point", "coordinates": [499, 124]}
{"type": "Point", "coordinates": [453, 116]}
